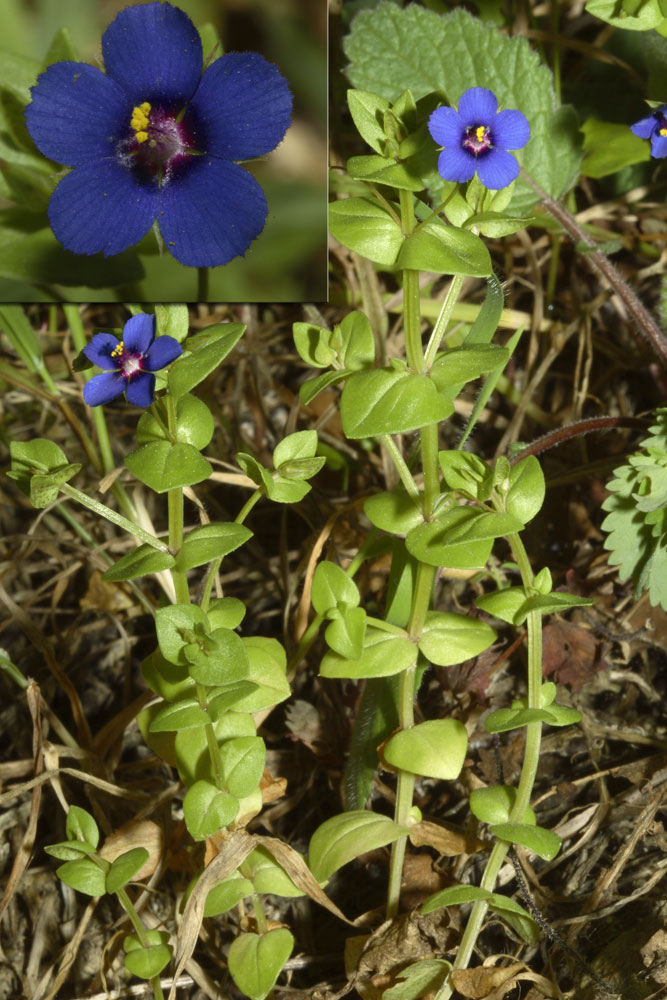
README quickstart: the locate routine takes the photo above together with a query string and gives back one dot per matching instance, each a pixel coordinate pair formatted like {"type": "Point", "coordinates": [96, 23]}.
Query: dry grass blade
{"type": "Point", "coordinates": [232, 852]}
{"type": "Point", "coordinates": [300, 873]}
{"type": "Point", "coordinates": [22, 858]}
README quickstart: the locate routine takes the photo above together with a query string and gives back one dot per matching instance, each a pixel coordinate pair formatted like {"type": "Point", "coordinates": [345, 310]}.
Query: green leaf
{"type": "Point", "coordinates": [387, 401]}
{"type": "Point", "coordinates": [496, 224]}
{"type": "Point", "coordinates": [345, 635]}
{"type": "Point", "coordinates": [455, 895]}
{"type": "Point", "coordinates": [191, 369]}
{"type": "Point", "coordinates": [548, 604]}
{"type": "Point", "coordinates": [366, 227]}
{"type": "Point", "coordinates": [191, 750]}
{"type": "Point", "coordinates": [61, 48]}
{"type": "Point", "coordinates": [184, 714]}
{"type": "Point", "coordinates": [422, 979]}
{"type": "Point", "coordinates": [434, 749]}
{"type": "Point", "coordinates": [408, 175]}
{"type": "Point", "coordinates": [503, 604]}
{"type": "Point", "coordinates": [609, 147]}
{"type": "Point", "coordinates": [84, 875]}
{"type": "Point", "coordinates": [383, 654]}
{"type": "Point", "coordinates": [344, 837]}
{"type": "Point", "coordinates": [459, 365]}
{"type": "Point", "coordinates": [396, 512]}
{"type": "Point", "coordinates": [515, 915]}
{"type": "Point", "coordinates": [217, 658]}
{"type": "Point", "coordinates": [367, 112]}
{"type": "Point", "coordinates": [313, 344]}
{"type": "Point", "coordinates": [641, 16]}
{"type": "Point", "coordinates": [147, 962]}
{"type": "Point", "coordinates": [174, 625]}
{"type": "Point", "coordinates": [226, 894]}
{"type": "Point", "coordinates": [294, 457]}
{"type": "Point", "coordinates": [505, 719]}
{"type": "Point", "coordinates": [210, 541]}
{"type": "Point", "coordinates": [69, 850]}
{"type": "Point", "coordinates": [332, 587]}
{"type": "Point", "coordinates": [163, 466]}
{"type": "Point", "coordinates": [268, 876]}
{"type": "Point", "coordinates": [243, 760]}
{"type": "Point", "coordinates": [537, 839]}
{"type": "Point", "coordinates": [460, 537]}
{"type": "Point", "coordinates": [173, 319]}
{"type": "Point", "coordinates": [81, 826]}
{"type": "Point", "coordinates": [225, 612]}
{"type": "Point", "coordinates": [125, 867]}
{"type": "Point", "coordinates": [256, 960]}
{"type": "Point", "coordinates": [139, 562]}
{"type": "Point", "coordinates": [166, 679]}
{"type": "Point", "coordinates": [266, 669]}
{"type": "Point", "coordinates": [463, 471]}
{"type": "Point", "coordinates": [448, 638]}
{"type": "Point", "coordinates": [387, 56]}
{"type": "Point", "coordinates": [445, 250]}
{"type": "Point", "coordinates": [207, 810]}
{"type": "Point", "coordinates": [354, 341]}
{"type": "Point", "coordinates": [526, 489]}
{"type": "Point", "coordinates": [39, 467]}
{"type": "Point", "coordinates": [194, 424]}
{"type": "Point", "coordinates": [494, 804]}
{"type": "Point", "coordinates": [314, 386]}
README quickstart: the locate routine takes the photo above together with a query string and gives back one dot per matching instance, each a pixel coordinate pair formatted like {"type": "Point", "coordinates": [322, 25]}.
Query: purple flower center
{"type": "Point", "coordinates": [129, 362]}
{"type": "Point", "coordinates": [477, 139]}
{"type": "Point", "coordinates": [159, 141]}
{"type": "Point", "coordinates": [661, 123]}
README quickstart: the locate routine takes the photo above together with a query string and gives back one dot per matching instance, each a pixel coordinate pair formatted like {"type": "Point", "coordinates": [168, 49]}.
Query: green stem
{"type": "Point", "coordinates": [429, 443]}
{"type": "Point", "coordinates": [441, 323]}
{"type": "Point", "coordinates": [411, 305]}
{"type": "Point", "coordinates": [421, 600]}
{"type": "Point", "coordinates": [140, 930]}
{"type": "Point", "coordinates": [528, 771]}
{"type": "Point", "coordinates": [113, 516]}
{"type": "Point", "coordinates": [202, 284]}
{"type": "Point", "coordinates": [212, 741]}
{"type": "Point", "coordinates": [175, 509]}
{"type": "Point", "coordinates": [401, 467]}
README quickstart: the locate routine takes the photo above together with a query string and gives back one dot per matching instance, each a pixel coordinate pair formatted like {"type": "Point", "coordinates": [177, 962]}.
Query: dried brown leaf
{"type": "Point", "coordinates": [476, 984]}
{"type": "Point", "coordinates": [448, 840]}
{"type": "Point", "coordinates": [136, 833]}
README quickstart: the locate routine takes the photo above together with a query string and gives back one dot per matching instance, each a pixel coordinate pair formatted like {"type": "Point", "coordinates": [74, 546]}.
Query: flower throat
{"type": "Point", "coordinates": [160, 140]}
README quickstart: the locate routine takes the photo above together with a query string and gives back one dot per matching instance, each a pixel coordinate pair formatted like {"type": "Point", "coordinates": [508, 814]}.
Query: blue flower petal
{"type": "Point", "coordinates": [162, 352]}
{"type": "Point", "coordinates": [139, 332]}
{"type": "Point", "coordinates": [510, 130]}
{"type": "Point", "coordinates": [478, 106]}
{"type": "Point", "coordinates": [99, 350]}
{"type": "Point", "coordinates": [103, 388]}
{"type": "Point", "coordinates": [101, 206]}
{"type": "Point", "coordinates": [644, 127]}
{"type": "Point", "coordinates": [154, 52]}
{"type": "Point", "coordinates": [76, 113]}
{"type": "Point", "coordinates": [243, 105]}
{"type": "Point", "coordinates": [658, 146]}
{"type": "Point", "coordinates": [497, 169]}
{"type": "Point", "coordinates": [454, 164]}
{"type": "Point", "coordinates": [212, 214]}
{"type": "Point", "coordinates": [446, 127]}
{"type": "Point", "coordinates": [140, 389]}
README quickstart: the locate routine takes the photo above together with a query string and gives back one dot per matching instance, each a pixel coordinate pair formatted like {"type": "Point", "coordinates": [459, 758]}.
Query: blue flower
{"type": "Point", "coordinates": [129, 362]}
{"type": "Point", "coordinates": [155, 138]}
{"type": "Point", "coordinates": [654, 127]}
{"type": "Point", "coordinates": [477, 137]}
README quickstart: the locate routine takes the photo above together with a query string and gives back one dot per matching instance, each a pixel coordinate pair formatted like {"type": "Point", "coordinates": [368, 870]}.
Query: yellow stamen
{"type": "Point", "coordinates": [140, 119]}
{"type": "Point", "coordinates": [663, 131]}
{"type": "Point", "coordinates": [117, 351]}
{"type": "Point", "coordinates": [479, 132]}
